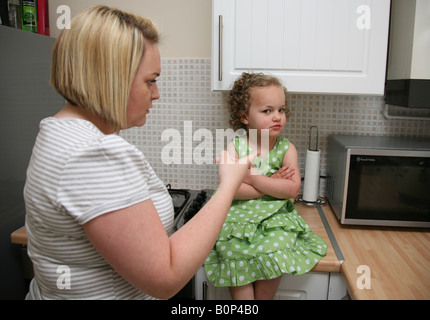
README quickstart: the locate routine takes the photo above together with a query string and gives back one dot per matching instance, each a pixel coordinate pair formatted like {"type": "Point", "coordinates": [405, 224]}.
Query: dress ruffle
{"type": "Point", "coordinates": [246, 228]}
{"type": "Point", "coordinates": [247, 252]}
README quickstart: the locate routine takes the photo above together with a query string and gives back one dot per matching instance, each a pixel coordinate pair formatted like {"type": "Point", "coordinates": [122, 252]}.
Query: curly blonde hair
{"type": "Point", "coordinates": [238, 100]}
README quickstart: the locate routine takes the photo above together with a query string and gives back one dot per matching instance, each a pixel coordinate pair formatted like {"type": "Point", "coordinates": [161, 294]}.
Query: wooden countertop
{"type": "Point", "coordinates": [398, 259]}
{"type": "Point", "coordinates": [330, 263]}
{"type": "Point", "coordinates": [19, 236]}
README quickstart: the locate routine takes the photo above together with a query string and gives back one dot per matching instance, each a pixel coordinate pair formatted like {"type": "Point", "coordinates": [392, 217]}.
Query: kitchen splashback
{"type": "Point", "coordinates": [186, 96]}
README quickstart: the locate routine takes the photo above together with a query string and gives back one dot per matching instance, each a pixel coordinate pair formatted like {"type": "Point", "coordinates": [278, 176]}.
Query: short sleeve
{"type": "Point", "coordinates": [106, 175]}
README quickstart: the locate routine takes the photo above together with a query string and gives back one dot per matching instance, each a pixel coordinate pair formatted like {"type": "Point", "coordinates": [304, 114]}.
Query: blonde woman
{"type": "Point", "coordinates": [98, 217]}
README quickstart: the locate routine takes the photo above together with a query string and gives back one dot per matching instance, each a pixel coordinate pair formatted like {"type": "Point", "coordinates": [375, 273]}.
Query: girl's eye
{"type": "Point", "coordinates": [282, 110]}
{"type": "Point", "coordinates": [267, 111]}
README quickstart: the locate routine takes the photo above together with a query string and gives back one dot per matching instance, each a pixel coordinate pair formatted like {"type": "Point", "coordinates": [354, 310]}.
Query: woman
{"type": "Point", "coordinates": [98, 218]}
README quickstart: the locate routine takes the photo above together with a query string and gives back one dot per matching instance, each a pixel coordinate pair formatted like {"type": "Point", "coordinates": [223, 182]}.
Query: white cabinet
{"type": "Point", "coordinates": [309, 286]}
{"type": "Point", "coordinates": [314, 46]}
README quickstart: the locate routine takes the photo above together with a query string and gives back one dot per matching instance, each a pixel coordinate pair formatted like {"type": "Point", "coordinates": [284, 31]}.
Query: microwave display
{"type": "Point", "coordinates": [388, 188]}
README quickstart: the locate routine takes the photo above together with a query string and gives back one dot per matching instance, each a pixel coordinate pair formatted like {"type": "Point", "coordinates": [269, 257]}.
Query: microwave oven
{"type": "Point", "coordinates": [380, 181]}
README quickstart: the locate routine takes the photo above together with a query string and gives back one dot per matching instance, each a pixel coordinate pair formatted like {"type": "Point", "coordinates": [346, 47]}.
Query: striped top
{"type": "Point", "coordinates": [77, 173]}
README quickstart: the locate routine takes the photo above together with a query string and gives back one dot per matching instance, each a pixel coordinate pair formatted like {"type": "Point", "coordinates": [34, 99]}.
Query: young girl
{"type": "Point", "coordinates": [263, 236]}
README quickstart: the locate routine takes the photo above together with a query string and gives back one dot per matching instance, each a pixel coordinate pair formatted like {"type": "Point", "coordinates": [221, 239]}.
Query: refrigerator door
{"type": "Point", "coordinates": [25, 98]}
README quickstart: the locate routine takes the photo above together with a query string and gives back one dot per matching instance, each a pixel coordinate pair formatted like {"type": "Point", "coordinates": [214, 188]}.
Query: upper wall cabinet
{"type": "Point", "coordinates": [314, 46]}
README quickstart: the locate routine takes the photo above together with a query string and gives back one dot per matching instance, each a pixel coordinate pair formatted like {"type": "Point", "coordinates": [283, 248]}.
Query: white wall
{"type": "Point", "coordinates": [185, 25]}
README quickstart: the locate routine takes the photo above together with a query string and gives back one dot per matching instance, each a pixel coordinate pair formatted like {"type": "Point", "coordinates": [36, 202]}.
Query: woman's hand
{"type": "Point", "coordinates": [232, 170]}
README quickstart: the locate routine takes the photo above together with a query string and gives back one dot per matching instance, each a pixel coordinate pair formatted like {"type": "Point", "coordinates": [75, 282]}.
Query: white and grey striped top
{"type": "Point", "coordinates": [77, 173]}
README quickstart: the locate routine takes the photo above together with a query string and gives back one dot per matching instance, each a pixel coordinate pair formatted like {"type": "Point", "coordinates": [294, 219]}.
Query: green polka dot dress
{"type": "Point", "coordinates": [263, 238]}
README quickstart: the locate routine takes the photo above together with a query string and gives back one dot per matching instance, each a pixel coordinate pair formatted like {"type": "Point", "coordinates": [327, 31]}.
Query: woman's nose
{"type": "Point", "coordinates": [155, 93]}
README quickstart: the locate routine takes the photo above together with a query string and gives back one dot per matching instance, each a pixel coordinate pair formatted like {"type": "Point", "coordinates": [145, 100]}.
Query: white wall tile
{"type": "Point", "coordinates": [186, 96]}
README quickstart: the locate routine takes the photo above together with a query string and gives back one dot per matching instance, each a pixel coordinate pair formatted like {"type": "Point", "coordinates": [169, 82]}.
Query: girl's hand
{"type": "Point", "coordinates": [285, 172]}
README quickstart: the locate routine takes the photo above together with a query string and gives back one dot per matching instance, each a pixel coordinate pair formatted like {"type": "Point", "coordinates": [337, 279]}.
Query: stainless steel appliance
{"type": "Point", "coordinates": [186, 204]}
{"type": "Point", "coordinates": [382, 181]}
{"type": "Point", "coordinates": [25, 98]}
{"type": "Point", "coordinates": [408, 67]}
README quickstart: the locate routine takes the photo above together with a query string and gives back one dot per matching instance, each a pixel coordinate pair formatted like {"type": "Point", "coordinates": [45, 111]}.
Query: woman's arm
{"type": "Point", "coordinates": [135, 244]}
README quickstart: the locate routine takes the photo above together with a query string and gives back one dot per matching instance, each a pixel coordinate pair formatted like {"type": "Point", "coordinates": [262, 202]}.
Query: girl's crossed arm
{"type": "Point", "coordinates": [284, 184]}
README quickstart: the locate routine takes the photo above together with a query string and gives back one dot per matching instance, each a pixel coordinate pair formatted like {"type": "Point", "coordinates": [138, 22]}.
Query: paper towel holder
{"type": "Point", "coordinates": [320, 201]}
{"type": "Point", "coordinates": [310, 138]}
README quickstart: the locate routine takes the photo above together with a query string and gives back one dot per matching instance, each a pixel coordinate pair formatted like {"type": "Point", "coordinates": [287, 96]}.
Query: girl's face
{"type": "Point", "coordinates": [266, 110]}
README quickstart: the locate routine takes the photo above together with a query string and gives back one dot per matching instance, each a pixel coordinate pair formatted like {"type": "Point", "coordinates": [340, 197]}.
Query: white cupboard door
{"type": "Point", "coordinates": [314, 46]}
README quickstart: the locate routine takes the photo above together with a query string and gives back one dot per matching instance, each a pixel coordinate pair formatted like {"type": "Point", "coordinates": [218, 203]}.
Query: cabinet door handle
{"type": "Point", "coordinates": [205, 290]}
{"type": "Point", "coordinates": [220, 40]}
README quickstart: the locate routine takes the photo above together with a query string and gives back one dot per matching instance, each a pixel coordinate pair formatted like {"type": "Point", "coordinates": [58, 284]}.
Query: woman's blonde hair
{"type": "Point", "coordinates": [95, 61]}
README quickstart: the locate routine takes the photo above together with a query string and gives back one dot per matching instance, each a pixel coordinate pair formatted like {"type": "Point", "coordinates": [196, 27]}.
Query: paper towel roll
{"type": "Point", "coordinates": [312, 176]}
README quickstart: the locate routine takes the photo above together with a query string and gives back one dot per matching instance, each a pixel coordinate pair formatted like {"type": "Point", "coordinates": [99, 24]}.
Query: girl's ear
{"type": "Point", "coordinates": [244, 118]}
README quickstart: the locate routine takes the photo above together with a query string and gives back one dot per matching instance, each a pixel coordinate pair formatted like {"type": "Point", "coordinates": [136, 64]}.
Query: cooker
{"type": "Point", "coordinates": [186, 204]}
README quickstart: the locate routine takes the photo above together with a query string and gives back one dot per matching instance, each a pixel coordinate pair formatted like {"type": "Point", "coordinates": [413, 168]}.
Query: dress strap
{"type": "Point", "coordinates": [241, 146]}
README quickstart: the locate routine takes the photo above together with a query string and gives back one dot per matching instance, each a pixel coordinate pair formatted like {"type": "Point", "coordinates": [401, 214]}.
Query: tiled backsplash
{"type": "Point", "coordinates": [186, 96]}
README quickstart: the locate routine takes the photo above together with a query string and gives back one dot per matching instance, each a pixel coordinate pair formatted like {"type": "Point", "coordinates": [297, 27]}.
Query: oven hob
{"type": "Point", "coordinates": [186, 204]}
{"type": "Point", "coordinates": [180, 198]}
